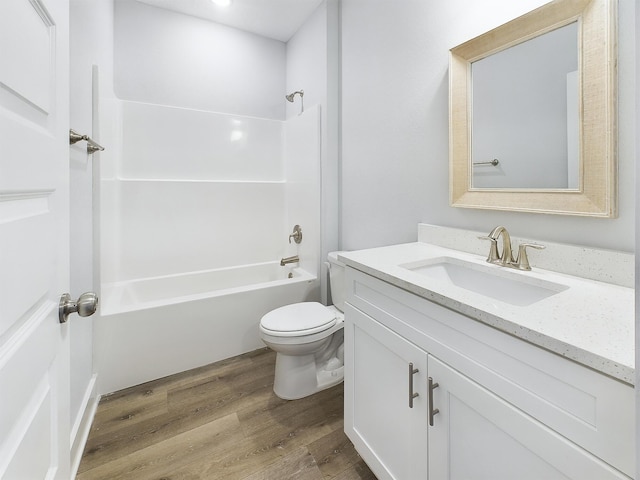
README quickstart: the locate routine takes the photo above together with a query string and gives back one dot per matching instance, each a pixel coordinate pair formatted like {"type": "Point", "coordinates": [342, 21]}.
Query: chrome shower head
{"type": "Point", "coordinates": [291, 95]}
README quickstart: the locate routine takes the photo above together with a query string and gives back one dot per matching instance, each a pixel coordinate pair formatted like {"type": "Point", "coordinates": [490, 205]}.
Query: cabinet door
{"type": "Point", "coordinates": [390, 435]}
{"type": "Point", "coordinates": [477, 435]}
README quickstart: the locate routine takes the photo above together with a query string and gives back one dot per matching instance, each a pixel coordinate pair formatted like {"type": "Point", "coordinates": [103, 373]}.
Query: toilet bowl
{"type": "Point", "coordinates": [308, 340]}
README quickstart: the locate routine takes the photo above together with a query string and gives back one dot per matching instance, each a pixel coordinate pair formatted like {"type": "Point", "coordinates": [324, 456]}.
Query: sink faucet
{"type": "Point", "coordinates": [506, 258]}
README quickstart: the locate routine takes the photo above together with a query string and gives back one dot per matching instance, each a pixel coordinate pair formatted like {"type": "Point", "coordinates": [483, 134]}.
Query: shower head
{"type": "Point", "coordinates": [291, 95]}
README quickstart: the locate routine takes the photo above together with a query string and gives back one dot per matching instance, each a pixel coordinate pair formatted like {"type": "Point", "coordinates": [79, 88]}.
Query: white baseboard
{"type": "Point", "coordinates": [82, 425]}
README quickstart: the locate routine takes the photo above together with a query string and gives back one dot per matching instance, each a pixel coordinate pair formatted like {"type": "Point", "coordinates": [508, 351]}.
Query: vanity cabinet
{"type": "Point", "coordinates": [385, 428]}
{"type": "Point", "coordinates": [478, 435]}
{"type": "Point", "coordinates": [500, 407]}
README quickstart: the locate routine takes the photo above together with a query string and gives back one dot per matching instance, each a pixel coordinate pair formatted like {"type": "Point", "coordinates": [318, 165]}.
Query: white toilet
{"type": "Point", "coordinates": [309, 341]}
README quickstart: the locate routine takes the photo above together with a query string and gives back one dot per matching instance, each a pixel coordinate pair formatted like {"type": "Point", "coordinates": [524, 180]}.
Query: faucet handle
{"type": "Point", "coordinates": [493, 250]}
{"type": "Point", "coordinates": [296, 235]}
{"type": "Point", "coordinates": [522, 261]}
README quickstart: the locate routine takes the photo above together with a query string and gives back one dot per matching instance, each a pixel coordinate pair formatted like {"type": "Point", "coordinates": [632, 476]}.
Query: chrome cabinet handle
{"type": "Point", "coordinates": [432, 411]}
{"type": "Point", "coordinates": [412, 395]}
{"type": "Point", "coordinates": [85, 306]}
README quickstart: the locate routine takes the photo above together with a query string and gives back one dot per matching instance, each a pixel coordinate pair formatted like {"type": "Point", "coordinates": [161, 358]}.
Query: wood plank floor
{"type": "Point", "coordinates": [221, 421]}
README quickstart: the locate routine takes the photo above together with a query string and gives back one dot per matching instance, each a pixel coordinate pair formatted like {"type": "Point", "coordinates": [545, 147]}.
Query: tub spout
{"type": "Point", "coordinates": [287, 260]}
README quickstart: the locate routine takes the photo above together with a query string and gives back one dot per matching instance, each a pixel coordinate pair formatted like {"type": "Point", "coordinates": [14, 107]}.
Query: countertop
{"type": "Point", "coordinates": [589, 322]}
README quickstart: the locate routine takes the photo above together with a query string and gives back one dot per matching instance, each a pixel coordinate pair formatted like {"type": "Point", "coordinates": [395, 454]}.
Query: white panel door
{"type": "Point", "coordinates": [389, 434]}
{"type": "Point", "coordinates": [477, 435]}
{"type": "Point", "coordinates": [34, 239]}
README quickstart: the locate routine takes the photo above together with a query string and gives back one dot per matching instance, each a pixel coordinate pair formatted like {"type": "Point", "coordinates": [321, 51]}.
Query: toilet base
{"type": "Point", "coordinates": [309, 364]}
{"type": "Point", "coordinates": [297, 376]}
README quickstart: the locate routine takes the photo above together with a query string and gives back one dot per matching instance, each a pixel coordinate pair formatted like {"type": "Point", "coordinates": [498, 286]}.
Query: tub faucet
{"type": "Point", "coordinates": [287, 260]}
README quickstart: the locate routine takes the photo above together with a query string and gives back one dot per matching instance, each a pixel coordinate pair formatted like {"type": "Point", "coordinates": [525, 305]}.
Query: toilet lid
{"type": "Point", "coordinates": [298, 319]}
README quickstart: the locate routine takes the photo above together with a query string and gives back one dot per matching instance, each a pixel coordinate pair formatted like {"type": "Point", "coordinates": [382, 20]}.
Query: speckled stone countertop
{"type": "Point", "coordinates": [590, 322]}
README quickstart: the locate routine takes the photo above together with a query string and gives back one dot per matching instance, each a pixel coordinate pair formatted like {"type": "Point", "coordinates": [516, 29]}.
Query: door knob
{"type": "Point", "coordinates": [86, 305]}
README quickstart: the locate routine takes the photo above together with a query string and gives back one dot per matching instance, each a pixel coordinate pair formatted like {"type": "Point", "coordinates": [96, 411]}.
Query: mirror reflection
{"type": "Point", "coordinates": [525, 114]}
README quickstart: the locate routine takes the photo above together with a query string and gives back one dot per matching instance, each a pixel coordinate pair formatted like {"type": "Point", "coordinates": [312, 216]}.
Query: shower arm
{"type": "Point", "coordinates": [291, 97]}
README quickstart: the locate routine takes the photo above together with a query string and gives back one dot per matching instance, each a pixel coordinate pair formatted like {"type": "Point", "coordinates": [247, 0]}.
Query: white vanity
{"type": "Point", "coordinates": [473, 381]}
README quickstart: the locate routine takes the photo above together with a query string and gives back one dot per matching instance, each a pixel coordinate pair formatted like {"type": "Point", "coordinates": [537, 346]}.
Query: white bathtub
{"type": "Point", "coordinates": [158, 326]}
{"type": "Point", "coordinates": [158, 291]}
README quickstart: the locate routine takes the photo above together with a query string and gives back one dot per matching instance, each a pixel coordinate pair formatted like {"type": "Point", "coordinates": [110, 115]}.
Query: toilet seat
{"type": "Point", "coordinates": [298, 319]}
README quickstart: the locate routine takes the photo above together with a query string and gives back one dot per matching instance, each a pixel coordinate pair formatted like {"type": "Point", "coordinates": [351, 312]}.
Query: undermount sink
{"type": "Point", "coordinates": [491, 281]}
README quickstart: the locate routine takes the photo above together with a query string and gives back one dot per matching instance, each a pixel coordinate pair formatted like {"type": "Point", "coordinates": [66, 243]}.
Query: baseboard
{"type": "Point", "coordinates": [82, 425]}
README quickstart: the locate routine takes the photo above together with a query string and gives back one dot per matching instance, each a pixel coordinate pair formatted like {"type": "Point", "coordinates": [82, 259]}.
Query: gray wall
{"type": "Point", "coordinates": [395, 125]}
{"type": "Point", "coordinates": [171, 59]}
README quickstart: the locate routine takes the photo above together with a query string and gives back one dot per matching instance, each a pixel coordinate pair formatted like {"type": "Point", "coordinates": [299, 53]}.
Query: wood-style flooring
{"type": "Point", "coordinates": [221, 421]}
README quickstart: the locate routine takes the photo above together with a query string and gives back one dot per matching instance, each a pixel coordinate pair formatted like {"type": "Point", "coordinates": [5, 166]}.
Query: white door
{"type": "Point", "coordinates": [34, 239]}
{"type": "Point", "coordinates": [385, 401]}
{"type": "Point", "coordinates": [478, 435]}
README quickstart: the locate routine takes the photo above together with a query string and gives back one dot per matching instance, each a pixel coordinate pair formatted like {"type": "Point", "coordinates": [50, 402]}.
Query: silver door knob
{"type": "Point", "coordinates": [86, 305]}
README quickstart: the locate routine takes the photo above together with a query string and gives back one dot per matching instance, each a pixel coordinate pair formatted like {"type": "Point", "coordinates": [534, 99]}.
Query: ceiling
{"type": "Point", "coordinates": [277, 19]}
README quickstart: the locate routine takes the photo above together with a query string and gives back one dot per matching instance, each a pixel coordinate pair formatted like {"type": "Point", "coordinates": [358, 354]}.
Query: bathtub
{"type": "Point", "coordinates": [154, 327]}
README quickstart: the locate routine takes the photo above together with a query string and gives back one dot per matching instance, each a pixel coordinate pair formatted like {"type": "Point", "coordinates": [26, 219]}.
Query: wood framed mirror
{"type": "Point", "coordinates": [552, 130]}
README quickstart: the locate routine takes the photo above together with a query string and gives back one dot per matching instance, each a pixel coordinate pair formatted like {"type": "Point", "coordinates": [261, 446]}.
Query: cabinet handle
{"type": "Point", "coordinates": [432, 411]}
{"type": "Point", "coordinates": [412, 372]}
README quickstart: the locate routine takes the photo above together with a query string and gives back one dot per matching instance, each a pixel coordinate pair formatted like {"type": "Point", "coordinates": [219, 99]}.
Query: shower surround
{"type": "Point", "coordinates": [195, 211]}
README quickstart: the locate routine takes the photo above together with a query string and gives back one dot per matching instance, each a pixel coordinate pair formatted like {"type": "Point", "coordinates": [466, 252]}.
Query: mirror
{"type": "Point", "coordinates": [532, 113]}
{"type": "Point", "coordinates": [520, 96]}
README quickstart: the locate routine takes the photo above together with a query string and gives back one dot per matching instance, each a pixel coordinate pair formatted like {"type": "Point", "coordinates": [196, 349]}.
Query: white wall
{"type": "Point", "coordinates": [302, 166]}
{"type": "Point", "coordinates": [91, 43]}
{"type": "Point", "coordinates": [395, 125]}
{"type": "Point", "coordinates": [312, 65]}
{"type": "Point", "coordinates": [198, 185]}
{"type": "Point", "coordinates": [176, 204]}
{"type": "Point", "coordinates": [172, 143]}
{"type": "Point", "coordinates": [172, 59]}
{"type": "Point", "coordinates": [637, 225]}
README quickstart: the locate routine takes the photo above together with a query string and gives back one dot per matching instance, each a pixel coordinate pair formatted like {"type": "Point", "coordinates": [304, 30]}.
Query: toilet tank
{"type": "Point", "coordinates": [336, 280]}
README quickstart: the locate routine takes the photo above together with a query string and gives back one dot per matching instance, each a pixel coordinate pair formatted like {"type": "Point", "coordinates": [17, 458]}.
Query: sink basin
{"type": "Point", "coordinates": [495, 282]}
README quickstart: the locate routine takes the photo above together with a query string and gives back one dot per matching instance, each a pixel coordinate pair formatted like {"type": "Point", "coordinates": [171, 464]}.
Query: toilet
{"type": "Point", "coordinates": [308, 339]}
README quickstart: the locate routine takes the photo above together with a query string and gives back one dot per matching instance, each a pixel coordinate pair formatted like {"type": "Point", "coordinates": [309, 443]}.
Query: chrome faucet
{"type": "Point", "coordinates": [522, 261]}
{"type": "Point", "coordinates": [505, 259]}
{"type": "Point", "coordinates": [287, 260]}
